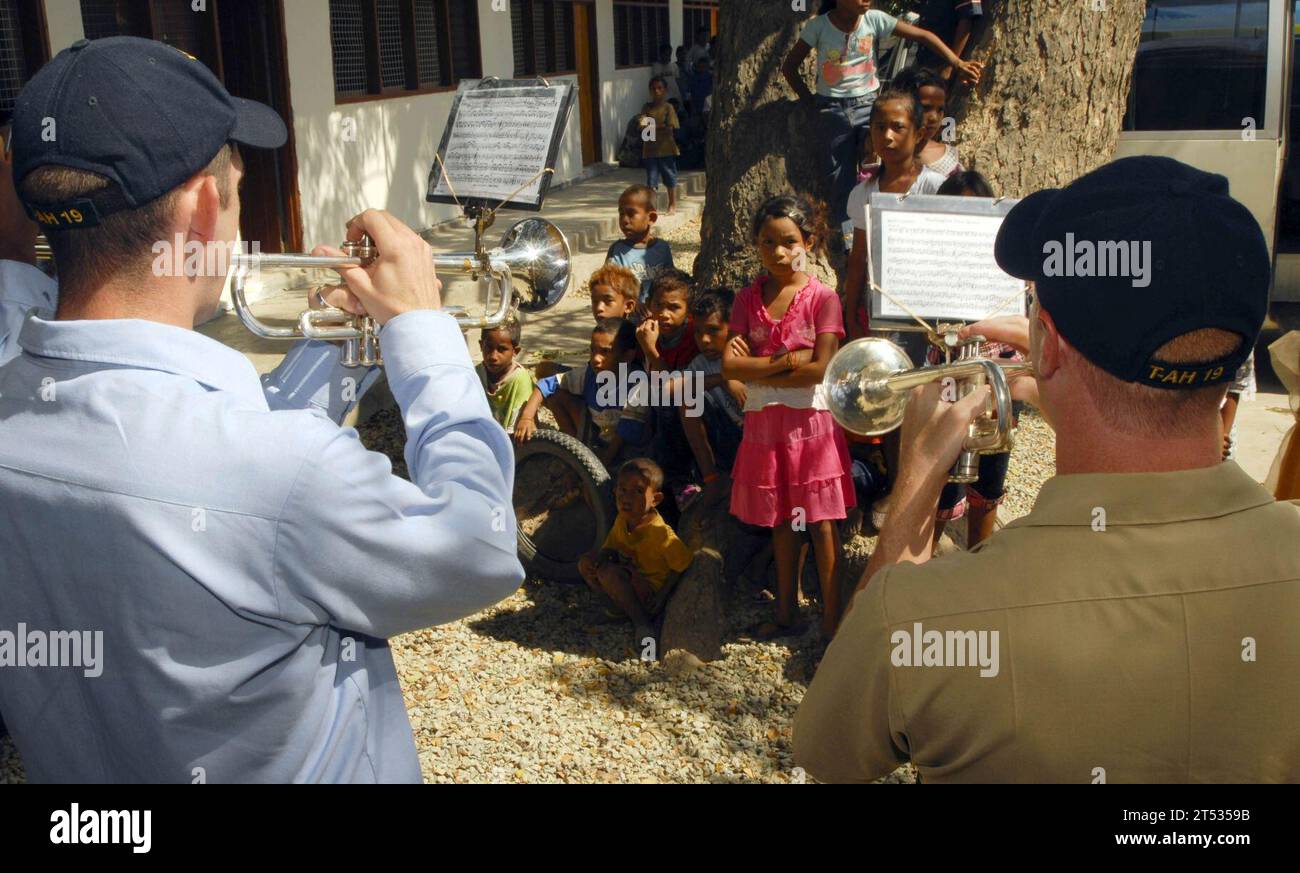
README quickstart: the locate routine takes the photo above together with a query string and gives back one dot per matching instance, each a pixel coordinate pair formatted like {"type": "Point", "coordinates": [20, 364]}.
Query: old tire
{"type": "Point", "coordinates": [563, 503]}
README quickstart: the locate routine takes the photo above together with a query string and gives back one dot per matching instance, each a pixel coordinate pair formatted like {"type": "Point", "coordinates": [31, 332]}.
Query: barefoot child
{"type": "Point", "coordinates": [668, 346]}
{"type": "Point", "coordinates": [714, 436]}
{"type": "Point", "coordinates": [846, 35]}
{"type": "Point", "coordinates": [508, 384]}
{"type": "Point", "coordinates": [641, 556]}
{"type": "Point", "coordinates": [792, 469]}
{"type": "Point", "coordinates": [659, 126]}
{"type": "Point", "coordinates": [897, 128]}
{"type": "Point", "coordinates": [640, 250]}
{"type": "Point", "coordinates": [932, 92]}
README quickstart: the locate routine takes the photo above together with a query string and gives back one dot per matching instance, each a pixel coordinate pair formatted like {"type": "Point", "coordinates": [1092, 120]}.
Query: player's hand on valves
{"type": "Point", "coordinates": [1013, 330]}
{"type": "Point", "coordinates": [934, 429]}
{"type": "Point", "coordinates": [402, 279]}
{"type": "Point", "coordinates": [333, 296]}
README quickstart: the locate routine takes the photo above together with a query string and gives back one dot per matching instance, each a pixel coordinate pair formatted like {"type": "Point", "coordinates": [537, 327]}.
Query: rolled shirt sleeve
{"type": "Point", "coordinates": [848, 727]}
{"type": "Point", "coordinates": [364, 550]}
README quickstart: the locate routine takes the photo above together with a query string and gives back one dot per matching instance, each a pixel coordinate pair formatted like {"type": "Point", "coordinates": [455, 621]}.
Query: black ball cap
{"type": "Point", "coordinates": [1136, 253]}
{"type": "Point", "coordinates": [143, 114]}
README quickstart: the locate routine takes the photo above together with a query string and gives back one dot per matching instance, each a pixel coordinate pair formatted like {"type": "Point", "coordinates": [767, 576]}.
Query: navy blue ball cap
{"type": "Point", "coordinates": [1136, 253]}
{"type": "Point", "coordinates": [141, 113]}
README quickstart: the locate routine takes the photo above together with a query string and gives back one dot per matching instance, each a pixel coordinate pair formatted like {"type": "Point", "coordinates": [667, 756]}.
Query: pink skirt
{"type": "Point", "coordinates": [791, 459]}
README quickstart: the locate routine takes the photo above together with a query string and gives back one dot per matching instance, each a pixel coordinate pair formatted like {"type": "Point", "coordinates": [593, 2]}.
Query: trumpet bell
{"type": "Point", "coordinates": [538, 255]}
{"type": "Point", "coordinates": [857, 389]}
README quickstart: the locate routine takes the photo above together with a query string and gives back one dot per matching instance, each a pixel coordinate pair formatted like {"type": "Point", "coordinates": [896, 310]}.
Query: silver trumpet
{"type": "Point", "coordinates": [529, 271]}
{"type": "Point", "coordinates": [868, 381]}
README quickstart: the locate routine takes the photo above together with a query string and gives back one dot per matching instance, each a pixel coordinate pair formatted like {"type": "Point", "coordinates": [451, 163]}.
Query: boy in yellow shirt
{"type": "Point", "coordinates": [642, 555]}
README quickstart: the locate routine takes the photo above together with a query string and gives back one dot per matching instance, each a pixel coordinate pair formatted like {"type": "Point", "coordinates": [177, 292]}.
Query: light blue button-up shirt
{"type": "Point", "coordinates": [22, 289]}
{"type": "Point", "coordinates": [245, 562]}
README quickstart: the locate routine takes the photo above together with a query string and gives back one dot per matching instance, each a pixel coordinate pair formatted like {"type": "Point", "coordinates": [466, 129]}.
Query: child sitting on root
{"type": "Point", "coordinates": [642, 557]}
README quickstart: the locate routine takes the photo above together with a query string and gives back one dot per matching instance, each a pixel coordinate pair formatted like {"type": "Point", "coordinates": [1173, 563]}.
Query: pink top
{"type": "Point", "coordinates": [815, 310]}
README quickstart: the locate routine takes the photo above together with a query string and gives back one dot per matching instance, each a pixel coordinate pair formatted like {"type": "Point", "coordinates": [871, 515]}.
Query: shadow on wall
{"type": "Point", "coordinates": [378, 155]}
{"type": "Point", "coordinates": [373, 155]}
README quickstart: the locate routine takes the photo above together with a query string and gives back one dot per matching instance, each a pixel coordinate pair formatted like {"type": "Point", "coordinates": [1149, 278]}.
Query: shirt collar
{"type": "Point", "coordinates": [144, 345]}
{"type": "Point", "coordinates": [1145, 498]}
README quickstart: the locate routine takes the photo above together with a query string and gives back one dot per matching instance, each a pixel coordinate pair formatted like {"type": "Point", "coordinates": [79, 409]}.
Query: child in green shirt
{"type": "Point", "coordinates": [508, 383]}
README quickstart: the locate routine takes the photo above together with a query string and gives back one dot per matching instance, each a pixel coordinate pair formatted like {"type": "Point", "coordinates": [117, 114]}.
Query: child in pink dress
{"type": "Point", "coordinates": [792, 470]}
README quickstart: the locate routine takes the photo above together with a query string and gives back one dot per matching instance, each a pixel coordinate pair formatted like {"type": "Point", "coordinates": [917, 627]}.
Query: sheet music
{"type": "Point", "coordinates": [941, 265]}
{"type": "Point", "coordinates": [500, 140]}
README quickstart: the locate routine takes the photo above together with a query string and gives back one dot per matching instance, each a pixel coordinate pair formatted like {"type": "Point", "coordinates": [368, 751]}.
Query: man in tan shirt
{"type": "Point", "coordinates": [1140, 624]}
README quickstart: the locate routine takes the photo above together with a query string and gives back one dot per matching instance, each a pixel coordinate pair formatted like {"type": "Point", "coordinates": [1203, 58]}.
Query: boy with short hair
{"type": "Point", "coordinates": [614, 292]}
{"type": "Point", "coordinates": [574, 399]}
{"type": "Point", "coordinates": [639, 250]}
{"type": "Point", "coordinates": [659, 151]}
{"type": "Point", "coordinates": [508, 383]}
{"type": "Point", "coordinates": [668, 345]}
{"type": "Point", "coordinates": [665, 336]}
{"type": "Point", "coordinates": [642, 557]}
{"type": "Point", "coordinates": [714, 436]}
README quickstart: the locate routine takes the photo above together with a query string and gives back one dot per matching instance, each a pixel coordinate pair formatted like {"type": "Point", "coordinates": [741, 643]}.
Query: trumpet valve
{"type": "Point", "coordinates": [363, 248]}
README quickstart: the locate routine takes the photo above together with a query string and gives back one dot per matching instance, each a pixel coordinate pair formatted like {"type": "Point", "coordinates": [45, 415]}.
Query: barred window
{"type": "Point", "coordinates": [101, 18]}
{"type": "Point", "coordinates": [174, 22]}
{"type": "Point", "coordinates": [23, 50]}
{"type": "Point", "coordinates": [640, 27]}
{"type": "Point", "coordinates": [543, 37]}
{"type": "Point", "coordinates": [697, 14]}
{"type": "Point", "coordinates": [384, 48]}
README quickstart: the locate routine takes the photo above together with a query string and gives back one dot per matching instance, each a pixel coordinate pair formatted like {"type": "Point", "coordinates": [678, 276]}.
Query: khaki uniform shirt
{"type": "Point", "coordinates": [1147, 630]}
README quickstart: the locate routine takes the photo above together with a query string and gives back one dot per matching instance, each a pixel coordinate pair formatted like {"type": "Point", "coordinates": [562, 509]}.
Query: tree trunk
{"type": "Point", "coordinates": [761, 141]}
{"type": "Point", "coordinates": [1051, 102]}
{"type": "Point", "coordinates": [1048, 109]}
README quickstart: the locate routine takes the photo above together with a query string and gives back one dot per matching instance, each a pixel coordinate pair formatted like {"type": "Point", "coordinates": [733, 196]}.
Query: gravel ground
{"type": "Point", "coordinates": [544, 688]}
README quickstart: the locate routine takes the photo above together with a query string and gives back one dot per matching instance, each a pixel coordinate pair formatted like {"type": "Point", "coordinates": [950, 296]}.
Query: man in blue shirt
{"type": "Point", "coordinates": [233, 567]}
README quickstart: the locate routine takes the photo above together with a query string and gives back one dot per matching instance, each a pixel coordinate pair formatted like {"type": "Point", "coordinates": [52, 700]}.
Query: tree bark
{"type": "Point", "coordinates": [1048, 109]}
{"type": "Point", "coordinates": [1051, 102]}
{"type": "Point", "coordinates": [762, 142]}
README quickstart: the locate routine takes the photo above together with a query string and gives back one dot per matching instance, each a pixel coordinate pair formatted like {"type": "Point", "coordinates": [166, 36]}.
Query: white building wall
{"type": "Point", "coordinates": [63, 20]}
{"type": "Point", "coordinates": [377, 153]}
{"type": "Point", "coordinates": [623, 92]}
